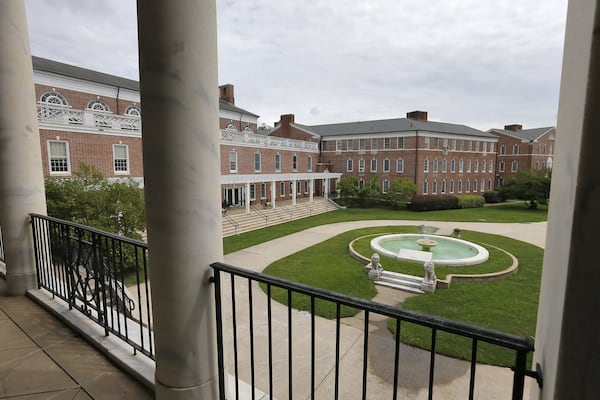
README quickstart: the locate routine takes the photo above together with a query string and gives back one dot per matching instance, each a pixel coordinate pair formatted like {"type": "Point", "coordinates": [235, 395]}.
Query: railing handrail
{"type": "Point", "coordinates": [492, 336]}
{"type": "Point", "coordinates": [232, 222]}
{"type": "Point", "coordinates": [265, 216]}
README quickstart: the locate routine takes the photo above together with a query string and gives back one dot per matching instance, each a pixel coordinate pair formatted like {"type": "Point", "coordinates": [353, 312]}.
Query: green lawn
{"type": "Point", "coordinates": [508, 305]}
{"type": "Point", "coordinates": [509, 212]}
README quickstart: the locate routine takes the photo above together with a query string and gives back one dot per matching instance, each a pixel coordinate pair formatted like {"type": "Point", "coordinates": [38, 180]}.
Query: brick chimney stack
{"type": "Point", "coordinates": [417, 115]}
{"type": "Point", "coordinates": [513, 127]}
{"type": "Point", "coordinates": [286, 119]}
{"type": "Point", "coordinates": [226, 93]}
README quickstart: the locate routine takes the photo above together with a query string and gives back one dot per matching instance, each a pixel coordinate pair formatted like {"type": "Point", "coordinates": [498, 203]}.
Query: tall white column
{"type": "Point", "coordinates": [178, 76]}
{"type": "Point", "coordinates": [247, 198]}
{"type": "Point", "coordinates": [326, 188]}
{"type": "Point", "coordinates": [273, 194]}
{"type": "Point", "coordinates": [311, 189]}
{"type": "Point", "coordinates": [294, 194]}
{"type": "Point", "coordinates": [568, 326]}
{"type": "Point", "coordinates": [21, 178]}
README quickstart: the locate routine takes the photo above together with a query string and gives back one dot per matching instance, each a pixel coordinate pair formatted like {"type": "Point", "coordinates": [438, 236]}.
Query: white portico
{"type": "Point", "coordinates": [241, 189]}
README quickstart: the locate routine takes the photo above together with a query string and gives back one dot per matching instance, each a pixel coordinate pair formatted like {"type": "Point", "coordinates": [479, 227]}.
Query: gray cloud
{"type": "Point", "coordinates": [483, 64]}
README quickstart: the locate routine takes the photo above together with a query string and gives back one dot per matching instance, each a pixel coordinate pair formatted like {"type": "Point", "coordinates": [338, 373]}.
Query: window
{"type": "Point", "coordinates": [425, 186]}
{"type": "Point", "coordinates": [435, 166]}
{"type": "Point", "coordinates": [361, 165]}
{"type": "Point", "coordinates": [467, 186]}
{"type": "Point", "coordinates": [282, 189]}
{"type": "Point", "coordinates": [338, 146]}
{"type": "Point", "coordinates": [349, 144]}
{"type": "Point", "coordinates": [298, 187]}
{"type": "Point", "coordinates": [233, 161]}
{"type": "Point", "coordinates": [256, 162]}
{"type": "Point", "coordinates": [453, 144]}
{"type": "Point", "coordinates": [516, 149]}
{"type": "Point", "coordinates": [436, 143]}
{"type": "Point", "coordinates": [291, 188]}
{"type": "Point", "coordinates": [362, 144]}
{"type": "Point", "coordinates": [277, 162]}
{"type": "Point", "coordinates": [482, 186]}
{"type": "Point", "coordinates": [426, 142]}
{"type": "Point", "coordinates": [386, 165]}
{"type": "Point", "coordinates": [452, 186]}
{"type": "Point", "coordinates": [133, 111]}
{"type": "Point", "coordinates": [374, 144]}
{"type": "Point", "coordinates": [503, 150]}
{"type": "Point", "coordinates": [443, 189]}
{"type": "Point", "coordinates": [373, 165]}
{"type": "Point", "coordinates": [58, 156]}
{"type": "Point", "coordinates": [323, 146]}
{"type": "Point", "coordinates": [400, 144]}
{"type": "Point", "coordinates": [386, 185]}
{"type": "Point", "coordinates": [426, 165]}
{"type": "Point", "coordinates": [461, 165]}
{"type": "Point", "coordinates": [470, 145]}
{"type": "Point", "coordinates": [230, 126]}
{"type": "Point", "coordinates": [501, 166]}
{"type": "Point", "coordinates": [305, 186]}
{"type": "Point", "coordinates": [247, 129]}
{"type": "Point", "coordinates": [97, 105]}
{"type": "Point", "coordinates": [461, 145]}
{"type": "Point", "coordinates": [537, 165]}
{"type": "Point", "coordinates": [121, 158]}
{"type": "Point", "coordinates": [459, 188]}
{"type": "Point", "coordinates": [295, 162]}
{"type": "Point", "coordinates": [485, 147]}
{"type": "Point", "coordinates": [490, 166]}
{"type": "Point", "coordinates": [444, 165]}
{"type": "Point", "coordinates": [349, 165]}
{"type": "Point", "coordinates": [545, 150]}
{"type": "Point", "coordinates": [491, 147]}
{"type": "Point", "coordinates": [400, 165]}
{"type": "Point", "coordinates": [453, 166]}
{"type": "Point", "coordinates": [477, 145]}
{"type": "Point", "coordinates": [474, 185]}
{"type": "Point", "coordinates": [54, 98]}
{"type": "Point", "coordinates": [309, 163]}
{"type": "Point", "coordinates": [514, 166]}
{"type": "Point", "coordinates": [446, 144]}
{"type": "Point", "coordinates": [387, 143]}
{"type": "Point", "coordinates": [434, 187]}
{"type": "Point", "coordinates": [263, 190]}
{"type": "Point", "coordinates": [361, 184]}
{"type": "Point", "coordinates": [476, 166]}
{"type": "Point", "coordinates": [489, 187]}
{"type": "Point", "coordinates": [252, 192]}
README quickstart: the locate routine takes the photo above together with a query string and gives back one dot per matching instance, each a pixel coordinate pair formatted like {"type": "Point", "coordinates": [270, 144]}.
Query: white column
{"type": "Point", "coordinates": [247, 198]}
{"type": "Point", "coordinates": [178, 77]}
{"type": "Point", "coordinates": [273, 193]}
{"type": "Point", "coordinates": [326, 188]}
{"type": "Point", "coordinates": [21, 179]}
{"type": "Point", "coordinates": [294, 192]}
{"type": "Point", "coordinates": [311, 189]}
{"type": "Point", "coordinates": [568, 326]}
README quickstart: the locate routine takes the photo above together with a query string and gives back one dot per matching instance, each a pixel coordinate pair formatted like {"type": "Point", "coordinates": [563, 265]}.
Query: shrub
{"type": "Point", "coordinates": [493, 197]}
{"type": "Point", "coordinates": [470, 201]}
{"type": "Point", "coordinates": [428, 203]}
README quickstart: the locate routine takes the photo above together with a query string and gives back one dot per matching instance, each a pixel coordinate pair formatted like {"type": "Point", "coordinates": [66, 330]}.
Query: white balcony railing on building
{"type": "Point", "coordinates": [229, 135]}
{"type": "Point", "coordinates": [64, 115]}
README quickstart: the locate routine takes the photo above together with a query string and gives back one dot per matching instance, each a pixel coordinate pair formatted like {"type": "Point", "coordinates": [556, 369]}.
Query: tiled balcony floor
{"type": "Point", "coordinates": [41, 358]}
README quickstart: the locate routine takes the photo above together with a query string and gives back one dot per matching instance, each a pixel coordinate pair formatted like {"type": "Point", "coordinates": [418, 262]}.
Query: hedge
{"type": "Point", "coordinates": [470, 201]}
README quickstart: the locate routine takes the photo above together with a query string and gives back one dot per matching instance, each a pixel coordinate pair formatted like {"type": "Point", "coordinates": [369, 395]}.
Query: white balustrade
{"type": "Point", "coordinates": [229, 135]}
{"type": "Point", "coordinates": [59, 114]}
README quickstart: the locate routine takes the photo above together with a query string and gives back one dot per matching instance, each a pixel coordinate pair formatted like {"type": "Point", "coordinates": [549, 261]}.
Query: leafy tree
{"type": "Point", "coordinates": [90, 199]}
{"type": "Point", "coordinates": [348, 186]}
{"type": "Point", "coordinates": [371, 189]}
{"type": "Point", "coordinates": [401, 190]}
{"type": "Point", "coordinates": [531, 186]}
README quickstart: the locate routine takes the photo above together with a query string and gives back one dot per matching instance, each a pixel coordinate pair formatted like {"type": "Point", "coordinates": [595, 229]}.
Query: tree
{"type": "Point", "coordinates": [401, 190]}
{"type": "Point", "coordinates": [531, 186]}
{"type": "Point", "coordinates": [348, 186]}
{"type": "Point", "coordinates": [90, 199]}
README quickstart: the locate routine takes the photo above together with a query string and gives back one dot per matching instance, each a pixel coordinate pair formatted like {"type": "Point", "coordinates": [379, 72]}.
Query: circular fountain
{"type": "Point", "coordinates": [421, 248]}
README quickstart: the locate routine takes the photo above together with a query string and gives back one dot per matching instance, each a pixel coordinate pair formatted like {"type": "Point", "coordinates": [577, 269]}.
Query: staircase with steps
{"type": "Point", "coordinates": [408, 283]}
{"type": "Point", "coordinates": [236, 221]}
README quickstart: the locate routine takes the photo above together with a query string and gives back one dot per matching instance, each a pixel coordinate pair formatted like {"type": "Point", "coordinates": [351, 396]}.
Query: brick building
{"type": "Point", "coordinates": [519, 149]}
{"type": "Point", "coordinates": [95, 118]}
{"type": "Point", "coordinates": [441, 158]}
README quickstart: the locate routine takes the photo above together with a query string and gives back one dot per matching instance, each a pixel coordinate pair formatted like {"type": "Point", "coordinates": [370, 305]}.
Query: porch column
{"type": "Point", "coordinates": [21, 178]}
{"type": "Point", "coordinates": [273, 196]}
{"type": "Point", "coordinates": [326, 188]}
{"type": "Point", "coordinates": [247, 198]}
{"type": "Point", "coordinates": [294, 193]}
{"type": "Point", "coordinates": [178, 77]}
{"type": "Point", "coordinates": [567, 325]}
{"type": "Point", "coordinates": [311, 190]}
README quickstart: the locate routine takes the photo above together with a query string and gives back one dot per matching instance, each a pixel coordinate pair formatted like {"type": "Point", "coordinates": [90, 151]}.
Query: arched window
{"type": "Point", "coordinates": [231, 126]}
{"type": "Point", "coordinates": [247, 129]}
{"type": "Point", "coordinates": [134, 111]}
{"type": "Point", "coordinates": [54, 98]}
{"type": "Point", "coordinates": [98, 105]}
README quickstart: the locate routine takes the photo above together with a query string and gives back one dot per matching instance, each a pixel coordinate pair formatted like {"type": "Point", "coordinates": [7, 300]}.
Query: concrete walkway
{"type": "Point", "coordinates": [451, 376]}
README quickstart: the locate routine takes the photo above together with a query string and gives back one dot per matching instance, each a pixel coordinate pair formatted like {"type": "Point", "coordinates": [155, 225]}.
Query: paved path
{"type": "Point", "coordinates": [451, 377]}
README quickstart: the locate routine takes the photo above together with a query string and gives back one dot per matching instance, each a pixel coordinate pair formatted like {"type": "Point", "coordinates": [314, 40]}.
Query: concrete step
{"type": "Point", "coordinates": [400, 287]}
{"type": "Point", "coordinates": [404, 282]}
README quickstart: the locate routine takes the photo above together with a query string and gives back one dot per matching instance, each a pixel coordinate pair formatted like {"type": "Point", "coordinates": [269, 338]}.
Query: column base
{"type": "Point", "coordinates": [19, 284]}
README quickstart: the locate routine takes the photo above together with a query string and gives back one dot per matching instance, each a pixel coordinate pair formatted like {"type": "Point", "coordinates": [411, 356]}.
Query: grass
{"type": "Point", "coordinates": [497, 261]}
{"type": "Point", "coordinates": [508, 305]}
{"type": "Point", "coordinates": [509, 212]}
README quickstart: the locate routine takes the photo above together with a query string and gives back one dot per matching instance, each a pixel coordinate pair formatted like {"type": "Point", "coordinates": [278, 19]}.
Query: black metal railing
{"type": "Point", "coordinates": [101, 274]}
{"type": "Point", "coordinates": [1, 247]}
{"type": "Point", "coordinates": [275, 354]}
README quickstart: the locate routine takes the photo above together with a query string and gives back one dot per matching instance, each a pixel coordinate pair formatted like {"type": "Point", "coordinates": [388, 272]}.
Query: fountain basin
{"type": "Point", "coordinates": [447, 251]}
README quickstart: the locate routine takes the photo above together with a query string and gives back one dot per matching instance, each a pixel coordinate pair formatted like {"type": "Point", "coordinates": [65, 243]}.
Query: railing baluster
{"type": "Point", "coordinates": [432, 362]}
{"type": "Point", "coordinates": [235, 339]}
{"type": "Point", "coordinates": [312, 347]}
{"type": "Point", "coordinates": [519, 375]}
{"type": "Point", "coordinates": [219, 323]}
{"type": "Point", "coordinates": [365, 355]}
{"type": "Point", "coordinates": [337, 351]}
{"type": "Point", "coordinates": [290, 380]}
{"type": "Point", "coordinates": [396, 359]}
{"type": "Point", "coordinates": [270, 333]}
{"type": "Point", "coordinates": [251, 325]}
{"type": "Point", "coordinates": [473, 365]}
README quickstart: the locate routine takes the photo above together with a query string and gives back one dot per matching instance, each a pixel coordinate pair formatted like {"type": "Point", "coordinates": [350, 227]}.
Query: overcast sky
{"type": "Point", "coordinates": [480, 63]}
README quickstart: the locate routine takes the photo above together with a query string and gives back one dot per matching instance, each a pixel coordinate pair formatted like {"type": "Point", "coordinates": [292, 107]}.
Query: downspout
{"type": "Point", "coordinates": [417, 159]}
{"type": "Point", "coordinates": [117, 99]}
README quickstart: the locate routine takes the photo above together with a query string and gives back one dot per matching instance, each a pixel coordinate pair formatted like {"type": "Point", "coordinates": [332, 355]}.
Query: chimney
{"type": "Point", "coordinates": [226, 93]}
{"type": "Point", "coordinates": [287, 119]}
{"type": "Point", "coordinates": [513, 127]}
{"type": "Point", "coordinates": [417, 115]}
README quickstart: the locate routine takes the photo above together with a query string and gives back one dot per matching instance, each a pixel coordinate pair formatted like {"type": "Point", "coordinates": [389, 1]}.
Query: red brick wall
{"type": "Point", "coordinates": [79, 100]}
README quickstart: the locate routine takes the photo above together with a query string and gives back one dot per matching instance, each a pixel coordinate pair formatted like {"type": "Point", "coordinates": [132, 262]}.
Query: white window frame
{"type": "Point", "coordinates": [277, 162]}
{"type": "Point", "coordinates": [491, 166]}
{"type": "Point", "coordinates": [435, 166]}
{"type": "Point", "coordinates": [515, 149]}
{"type": "Point", "coordinates": [252, 193]}
{"type": "Point", "coordinates": [453, 166]}
{"type": "Point", "coordinates": [399, 142]}
{"type": "Point", "coordinates": [452, 186]}
{"type": "Point", "coordinates": [373, 165]}
{"type": "Point", "coordinates": [501, 166]}
{"type": "Point", "coordinates": [387, 143]}
{"type": "Point", "coordinates": [338, 146]}
{"type": "Point", "coordinates": [444, 166]}
{"type": "Point", "coordinates": [361, 166]}
{"type": "Point", "coordinates": [425, 186]}
{"type": "Point", "coordinates": [126, 159]}
{"type": "Point", "coordinates": [426, 142]}
{"type": "Point", "coordinates": [461, 166]}
{"type": "Point", "coordinates": [67, 158]}
{"type": "Point", "coordinates": [263, 190]}
{"type": "Point", "coordinates": [349, 144]}
{"type": "Point", "coordinates": [426, 165]}
{"type": "Point", "coordinates": [282, 189]}
{"type": "Point", "coordinates": [400, 165]}
{"type": "Point", "coordinates": [257, 162]}
{"type": "Point", "coordinates": [386, 186]}
{"type": "Point", "coordinates": [386, 165]}
{"type": "Point", "coordinates": [295, 163]}
{"type": "Point", "coordinates": [434, 187]}
{"type": "Point", "coordinates": [349, 165]}
{"type": "Point", "coordinates": [514, 167]}
{"type": "Point", "coordinates": [309, 164]}
{"type": "Point", "coordinates": [233, 161]}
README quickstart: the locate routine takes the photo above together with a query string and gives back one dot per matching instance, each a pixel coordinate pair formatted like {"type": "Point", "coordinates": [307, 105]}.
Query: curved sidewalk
{"type": "Point", "coordinates": [451, 375]}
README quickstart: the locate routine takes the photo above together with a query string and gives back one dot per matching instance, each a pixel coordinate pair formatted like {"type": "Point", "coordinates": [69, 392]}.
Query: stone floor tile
{"type": "Point", "coordinates": [12, 336]}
